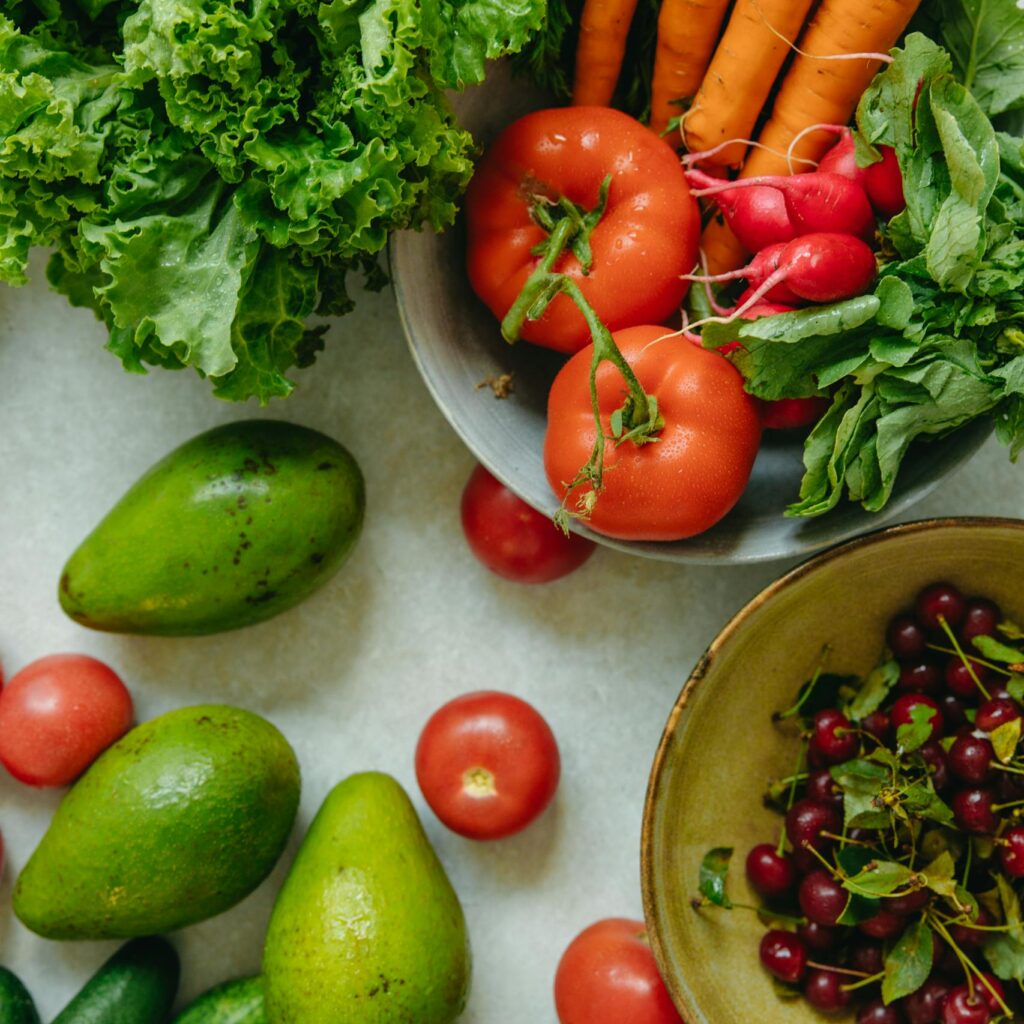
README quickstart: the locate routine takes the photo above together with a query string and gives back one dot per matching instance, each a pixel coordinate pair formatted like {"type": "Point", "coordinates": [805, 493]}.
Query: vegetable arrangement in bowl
{"type": "Point", "coordinates": [880, 306]}
{"type": "Point", "coordinates": [893, 880]}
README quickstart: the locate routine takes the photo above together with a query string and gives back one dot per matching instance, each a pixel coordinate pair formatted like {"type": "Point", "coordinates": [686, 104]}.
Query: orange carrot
{"type": "Point", "coordinates": [721, 247]}
{"type": "Point", "coordinates": [820, 91]}
{"type": "Point", "coordinates": [741, 75]}
{"type": "Point", "coordinates": [604, 26]}
{"type": "Point", "coordinates": [687, 32]}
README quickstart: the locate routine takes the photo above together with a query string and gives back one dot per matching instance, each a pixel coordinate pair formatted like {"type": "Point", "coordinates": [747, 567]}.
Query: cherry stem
{"type": "Point", "coordinates": [969, 968]}
{"type": "Point", "coordinates": [868, 979]}
{"type": "Point", "coordinates": [963, 657]}
{"type": "Point", "coordinates": [795, 709]}
{"type": "Point", "coordinates": [637, 420]}
{"type": "Point", "coordinates": [1002, 669]}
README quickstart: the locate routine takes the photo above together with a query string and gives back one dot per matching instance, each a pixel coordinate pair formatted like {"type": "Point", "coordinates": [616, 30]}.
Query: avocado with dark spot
{"type": "Point", "coordinates": [367, 928]}
{"type": "Point", "coordinates": [176, 822]}
{"type": "Point", "coordinates": [151, 565]}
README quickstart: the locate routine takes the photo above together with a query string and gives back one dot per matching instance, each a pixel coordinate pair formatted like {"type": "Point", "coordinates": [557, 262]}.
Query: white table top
{"type": "Point", "coordinates": [351, 676]}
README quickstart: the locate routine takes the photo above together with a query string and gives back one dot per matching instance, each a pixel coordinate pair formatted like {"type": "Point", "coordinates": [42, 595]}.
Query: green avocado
{"type": "Point", "coordinates": [176, 822]}
{"type": "Point", "coordinates": [367, 928]}
{"type": "Point", "coordinates": [231, 528]}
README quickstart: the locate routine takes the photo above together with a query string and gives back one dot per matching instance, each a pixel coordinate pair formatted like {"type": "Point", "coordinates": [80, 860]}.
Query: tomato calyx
{"type": "Point", "coordinates": [479, 783]}
{"type": "Point", "coordinates": [637, 420]}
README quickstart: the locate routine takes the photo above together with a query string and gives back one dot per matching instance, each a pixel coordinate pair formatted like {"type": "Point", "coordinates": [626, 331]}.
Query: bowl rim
{"type": "Point", "coordinates": [722, 639]}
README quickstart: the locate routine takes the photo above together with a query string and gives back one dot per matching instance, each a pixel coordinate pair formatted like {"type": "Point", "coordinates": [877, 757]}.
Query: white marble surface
{"type": "Point", "coordinates": [351, 676]}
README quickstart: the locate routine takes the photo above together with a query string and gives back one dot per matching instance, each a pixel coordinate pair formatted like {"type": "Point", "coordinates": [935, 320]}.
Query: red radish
{"type": "Point", "coordinates": [792, 413]}
{"type": "Point", "coordinates": [762, 266]}
{"type": "Point", "coordinates": [816, 202]}
{"type": "Point", "coordinates": [757, 216]}
{"type": "Point", "coordinates": [882, 180]}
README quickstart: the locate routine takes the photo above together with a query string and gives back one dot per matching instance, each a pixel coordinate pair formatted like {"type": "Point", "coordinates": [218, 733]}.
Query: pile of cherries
{"type": "Point", "coordinates": [965, 706]}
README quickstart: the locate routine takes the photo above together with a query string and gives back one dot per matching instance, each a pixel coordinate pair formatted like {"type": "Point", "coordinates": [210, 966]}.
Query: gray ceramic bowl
{"type": "Point", "coordinates": [719, 747]}
{"type": "Point", "coordinates": [457, 344]}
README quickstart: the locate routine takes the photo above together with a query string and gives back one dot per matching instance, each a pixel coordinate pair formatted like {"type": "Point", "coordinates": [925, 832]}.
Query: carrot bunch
{"type": "Point", "coordinates": [725, 76]}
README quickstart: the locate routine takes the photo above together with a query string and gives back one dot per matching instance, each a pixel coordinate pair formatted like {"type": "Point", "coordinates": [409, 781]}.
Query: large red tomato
{"type": "Point", "coordinates": [647, 237]}
{"type": "Point", "coordinates": [692, 474]}
{"type": "Point", "coordinates": [608, 976]}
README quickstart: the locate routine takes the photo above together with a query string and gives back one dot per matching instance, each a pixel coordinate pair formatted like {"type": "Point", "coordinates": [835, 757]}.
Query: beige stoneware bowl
{"type": "Point", "coordinates": [719, 746]}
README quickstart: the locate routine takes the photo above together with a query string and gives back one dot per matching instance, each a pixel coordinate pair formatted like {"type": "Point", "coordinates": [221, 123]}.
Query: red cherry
{"type": "Point", "coordinates": [825, 991]}
{"type": "Point", "coordinates": [771, 873]}
{"type": "Point", "coordinates": [963, 1007]}
{"type": "Point", "coordinates": [833, 739]}
{"type": "Point", "coordinates": [1011, 851]}
{"type": "Point", "coordinates": [996, 712]}
{"type": "Point", "coordinates": [940, 600]}
{"type": "Point", "coordinates": [904, 707]}
{"type": "Point", "coordinates": [784, 955]}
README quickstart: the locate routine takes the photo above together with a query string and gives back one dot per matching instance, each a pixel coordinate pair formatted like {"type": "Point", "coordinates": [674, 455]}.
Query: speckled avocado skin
{"type": "Point", "coordinates": [367, 928]}
{"type": "Point", "coordinates": [230, 529]}
{"type": "Point", "coordinates": [176, 822]}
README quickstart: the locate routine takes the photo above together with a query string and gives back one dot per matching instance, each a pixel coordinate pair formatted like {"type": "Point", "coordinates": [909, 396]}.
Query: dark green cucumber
{"type": "Point", "coordinates": [16, 1006]}
{"type": "Point", "coordinates": [136, 985]}
{"type": "Point", "coordinates": [235, 1002]}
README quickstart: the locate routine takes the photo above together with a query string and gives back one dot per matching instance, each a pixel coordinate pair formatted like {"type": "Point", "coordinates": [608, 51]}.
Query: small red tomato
{"type": "Point", "coordinates": [58, 715]}
{"type": "Point", "coordinates": [514, 540]}
{"type": "Point", "coordinates": [487, 764]}
{"type": "Point", "coordinates": [607, 975]}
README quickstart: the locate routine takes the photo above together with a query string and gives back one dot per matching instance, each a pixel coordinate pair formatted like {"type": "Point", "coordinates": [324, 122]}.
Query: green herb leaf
{"type": "Point", "coordinates": [986, 39]}
{"type": "Point", "coordinates": [918, 730]}
{"type": "Point", "coordinates": [714, 872]}
{"type": "Point", "coordinates": [1005, 739]}
{"type": "Point", "coordinates": [876, 688]}
{"type": "Point", "coordinates": [909, 962]}
{"type": "Point", "coordinates": [862, 782]}
{"type": "Point", "coordinates": [879, 878]}
{"type": "Point", "coordinates": [1011, 630]}
{"type": "Point", "coordinates": [996, 651]}
{"type": "Point", "coordinates": [940, 875]}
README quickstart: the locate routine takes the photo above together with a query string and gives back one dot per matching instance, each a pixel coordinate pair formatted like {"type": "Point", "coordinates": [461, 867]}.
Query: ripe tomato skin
{"type": "Point", "coordinates": [607, 975]}
{"type": "Point", "coordinates": [57, 715]}
{"type": "Point", "coordinates": [514, 540]}
{"type": "Point", "coordinates": [646, 239]}
{"type": "Point", "coordinates": [695, 472]}
{"type": "Point", "coordinates": [487, 764]}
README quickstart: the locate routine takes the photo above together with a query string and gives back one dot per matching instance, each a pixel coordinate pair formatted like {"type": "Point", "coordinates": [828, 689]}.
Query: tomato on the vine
{"type": "Point", "coordinates": [608, 975]}
{"type": "Point", "coordinates": [488, 764]}
{"type": "Point", "coordinates": [58, 715]}
{"type": "Point", "coordinates": [646, 238]}
{"type": "Point", "coordinates": [514, 540]}
{"type": "Point", "coordinates": [692, 473]}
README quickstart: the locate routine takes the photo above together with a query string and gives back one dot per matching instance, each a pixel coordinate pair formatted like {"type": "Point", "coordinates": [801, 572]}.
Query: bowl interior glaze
{"type": "Point", "coordinates": [457, 345]}
{"type": "Point", "coordinates": [720, 747]}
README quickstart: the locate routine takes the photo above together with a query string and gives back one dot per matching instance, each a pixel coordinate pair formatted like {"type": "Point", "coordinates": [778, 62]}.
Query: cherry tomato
{"type": "Point", "coordinates": [608, 976]}
{"type": "Point", "coordinates": [512, 539]}
{"type": "Point", "coordinates": [695, 472]}
{"type": "Point", "coordinates": [58, 715]}
{"type": "Point", "coordinates": [645, 240]}
{"type": "Point", "coordinates": [487, 764]}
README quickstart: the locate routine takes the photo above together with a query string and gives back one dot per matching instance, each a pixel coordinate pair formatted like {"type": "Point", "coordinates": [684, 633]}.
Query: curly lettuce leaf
{"type": "Point", "coordinates": [208, 174]}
